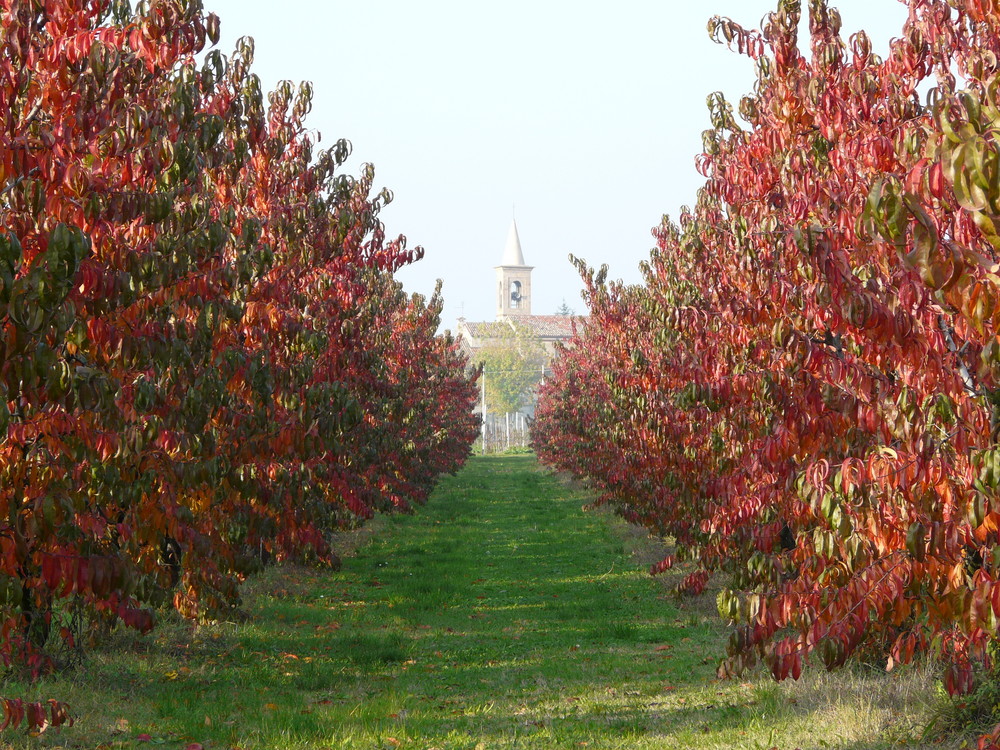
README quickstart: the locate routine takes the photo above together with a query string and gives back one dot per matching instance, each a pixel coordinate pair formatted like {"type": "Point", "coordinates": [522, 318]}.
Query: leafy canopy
{"type": "Point", "coordinates": [512, 359]}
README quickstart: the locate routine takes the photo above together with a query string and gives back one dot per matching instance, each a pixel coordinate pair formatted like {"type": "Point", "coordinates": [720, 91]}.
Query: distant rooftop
{"type": "Point", "coordinates": [551, 326]}
{"type": "Point", "coordinates": [541, 326]}
{"type": "Point", "coordinates": [487, 329]}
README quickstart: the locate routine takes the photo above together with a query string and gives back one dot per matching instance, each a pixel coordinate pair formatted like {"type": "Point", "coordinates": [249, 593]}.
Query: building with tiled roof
{"type": "Point", "coordinates": [549, 329]}
{"type": "Point", "coordinates": [513, 291]}
{"type": "Point", "coordinates": [514, 306]}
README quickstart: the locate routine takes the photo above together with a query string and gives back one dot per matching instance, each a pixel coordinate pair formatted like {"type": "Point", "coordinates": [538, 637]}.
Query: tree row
{"type": "Point", "coordinates": [804, 391]}
{"type": "Point", "coordinates": [205, 361]}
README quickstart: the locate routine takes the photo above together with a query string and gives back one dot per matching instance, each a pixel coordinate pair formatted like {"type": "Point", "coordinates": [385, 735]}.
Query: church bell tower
{"type": "Point", "coordinates": [513, 279]}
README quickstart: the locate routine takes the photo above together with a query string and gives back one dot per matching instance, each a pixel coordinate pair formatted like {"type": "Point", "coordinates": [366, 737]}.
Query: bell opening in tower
{"type": "Point", "coordinates": [515, 295]}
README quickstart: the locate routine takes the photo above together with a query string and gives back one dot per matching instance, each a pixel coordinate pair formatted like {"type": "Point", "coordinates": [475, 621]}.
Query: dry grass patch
{"type": "Point", "coordinates": [857, 707]}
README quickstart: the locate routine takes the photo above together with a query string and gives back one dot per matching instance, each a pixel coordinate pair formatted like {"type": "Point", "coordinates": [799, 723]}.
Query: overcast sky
{"type": "Point", "coordinates": [583, 118]}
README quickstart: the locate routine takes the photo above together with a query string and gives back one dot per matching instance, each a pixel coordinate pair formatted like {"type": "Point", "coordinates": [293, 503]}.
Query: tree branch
{"type": "Point", "coordinates": [967, 380]}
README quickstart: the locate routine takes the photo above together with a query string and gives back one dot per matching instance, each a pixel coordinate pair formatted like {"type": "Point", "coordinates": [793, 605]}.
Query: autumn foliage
{"type": "Point", "coordinates": [205, 361]}
{"type": "Point", "coordinates": [804, 393]}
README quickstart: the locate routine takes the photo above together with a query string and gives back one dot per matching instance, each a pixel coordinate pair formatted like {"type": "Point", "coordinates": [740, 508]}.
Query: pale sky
{"type": "Point", "coordinates": [583, 118]}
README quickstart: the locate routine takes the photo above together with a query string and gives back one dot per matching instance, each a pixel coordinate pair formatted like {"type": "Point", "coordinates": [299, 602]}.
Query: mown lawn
{"type": "Point", "coordinates": [499, 616]}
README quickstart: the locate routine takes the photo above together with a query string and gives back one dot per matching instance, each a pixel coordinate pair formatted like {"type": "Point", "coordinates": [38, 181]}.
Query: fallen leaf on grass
{"type": "Point", "coordinates": [664, 647]}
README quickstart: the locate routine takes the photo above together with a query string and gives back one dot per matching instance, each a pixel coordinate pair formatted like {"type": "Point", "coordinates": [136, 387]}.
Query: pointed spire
{"type": "Point", "coordinates": [512, 255]}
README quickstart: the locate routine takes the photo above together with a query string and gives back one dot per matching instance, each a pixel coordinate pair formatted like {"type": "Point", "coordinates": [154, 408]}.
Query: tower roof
{"type": "Point", "coordinates": [512, 255]}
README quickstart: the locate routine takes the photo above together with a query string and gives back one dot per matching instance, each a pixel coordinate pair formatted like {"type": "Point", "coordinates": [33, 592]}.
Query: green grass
{"type": "Point", "coordinates": [499, 616]}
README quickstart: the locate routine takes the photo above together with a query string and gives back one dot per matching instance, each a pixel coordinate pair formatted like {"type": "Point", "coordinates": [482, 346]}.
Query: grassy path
{"type": "Point", "coordinates": [500, 616]}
